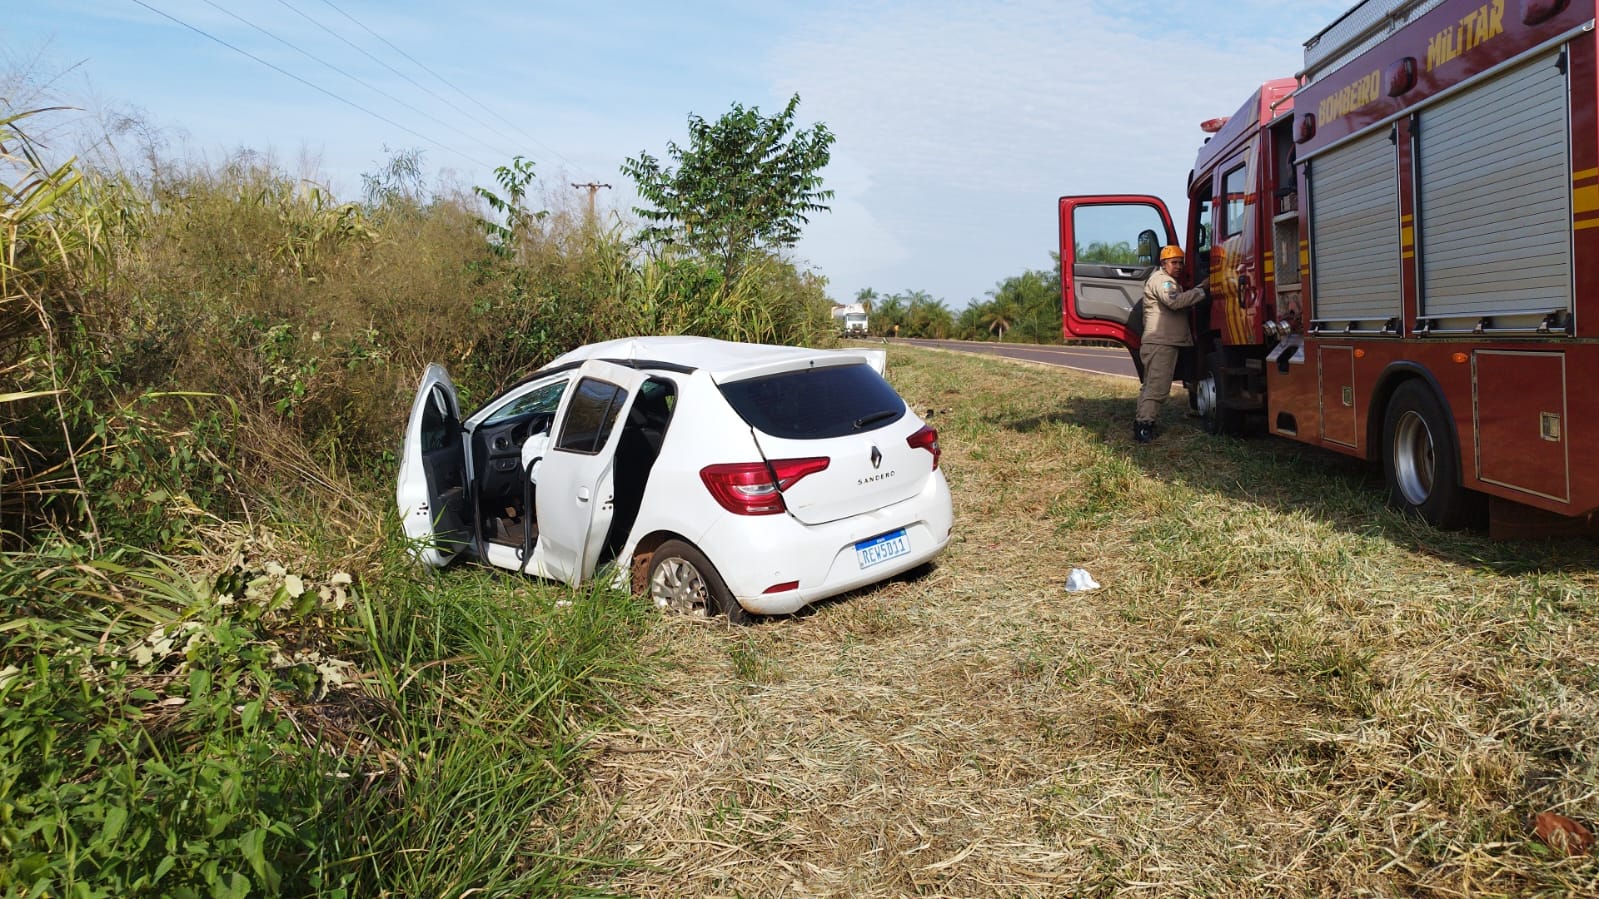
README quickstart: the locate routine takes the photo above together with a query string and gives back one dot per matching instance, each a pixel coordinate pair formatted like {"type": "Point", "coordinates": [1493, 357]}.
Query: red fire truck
{"type": "Point", "coordinates": [1401, 245]}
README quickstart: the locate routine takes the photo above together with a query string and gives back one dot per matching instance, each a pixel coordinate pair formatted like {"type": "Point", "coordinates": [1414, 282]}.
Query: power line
{"type": "Point", "coordinates": [441, 78]}
{"type": "Point", "coordinates": [314, 58]}
{"type": "Point", "coordinates": [309, 84]}
{"type": "Point", "coordinates": [414, 83]}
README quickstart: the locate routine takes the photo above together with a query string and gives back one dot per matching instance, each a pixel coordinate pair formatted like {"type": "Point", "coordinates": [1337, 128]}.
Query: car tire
{"type": "Point", "coordinates": [682, 579]}
{"type": "Point", "coordinates": [1420, 461]}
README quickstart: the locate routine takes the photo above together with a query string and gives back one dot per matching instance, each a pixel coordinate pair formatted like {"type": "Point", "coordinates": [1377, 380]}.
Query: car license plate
{"type": "Point", "coordinates": [882, 548]}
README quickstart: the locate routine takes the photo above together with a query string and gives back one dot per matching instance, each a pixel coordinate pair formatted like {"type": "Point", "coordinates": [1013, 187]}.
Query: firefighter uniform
{"type": "Point", "coordinates": [1165, 330]}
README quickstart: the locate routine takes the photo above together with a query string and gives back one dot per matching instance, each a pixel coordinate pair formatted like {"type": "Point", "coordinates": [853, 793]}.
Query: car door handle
{"type": "Point", "coordinates": [582, 494]}
{"type": "Point", "coordinates": [1126, 272]}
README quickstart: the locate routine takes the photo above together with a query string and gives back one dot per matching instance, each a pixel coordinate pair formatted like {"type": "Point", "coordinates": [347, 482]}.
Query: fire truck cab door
{"type": "Point", "coordinates": [1109, 245]}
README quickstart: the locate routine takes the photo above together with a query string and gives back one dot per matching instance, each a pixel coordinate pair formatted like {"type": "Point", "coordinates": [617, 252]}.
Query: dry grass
{"type": "Point", "coordinates": [1282, 689]}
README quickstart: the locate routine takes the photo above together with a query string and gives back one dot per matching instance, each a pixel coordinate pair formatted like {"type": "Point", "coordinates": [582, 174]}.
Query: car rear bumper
{"type": "Point", "coordinates": [822, 558]}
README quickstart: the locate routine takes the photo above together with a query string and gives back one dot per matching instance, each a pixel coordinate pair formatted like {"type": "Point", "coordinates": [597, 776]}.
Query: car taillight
{"type": "Point", "coordinates": [748, 488]}
{"type": "Point", "coordinates": [927, 439]}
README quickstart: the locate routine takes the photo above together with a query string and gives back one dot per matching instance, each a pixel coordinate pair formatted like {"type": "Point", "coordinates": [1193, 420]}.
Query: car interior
{"type": "Point", "coordinates": [636, 452]}
{"type": "Point", "coordinates": [505, 495]}
{"type": "Point", "coordinates": [497, 459]}
{"type": "Point", "coordinates": [445, 465]}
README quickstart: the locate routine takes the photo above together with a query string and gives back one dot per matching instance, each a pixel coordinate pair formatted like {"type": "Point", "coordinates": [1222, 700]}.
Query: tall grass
{"type": "Point", "coordinates": [307, 313]}
{"type": "Point", "coordinates": [271, 730]}
{"type": "Point", "coordinates": [219, 672]}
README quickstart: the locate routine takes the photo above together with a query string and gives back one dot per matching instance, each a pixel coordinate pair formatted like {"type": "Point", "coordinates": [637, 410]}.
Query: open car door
{"type": "Point", "coordinates": [1108, 246]}
{"type": "Point", "coordinates": [431, 490]}
{"type": "Point", "coordinates": [576, 494]}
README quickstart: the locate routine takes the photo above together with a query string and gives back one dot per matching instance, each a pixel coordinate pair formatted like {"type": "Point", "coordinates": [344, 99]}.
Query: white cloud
{"type": "Point", "coordinates": [977, 117]}
{"type": "Point", "coordinates": [849, 238]}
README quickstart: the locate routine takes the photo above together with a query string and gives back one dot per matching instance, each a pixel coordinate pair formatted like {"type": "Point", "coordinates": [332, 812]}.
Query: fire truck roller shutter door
{"type": "Point", "coordinates": [1494, 192]}
{"type": "Point", "coordinates": [1354, 223]}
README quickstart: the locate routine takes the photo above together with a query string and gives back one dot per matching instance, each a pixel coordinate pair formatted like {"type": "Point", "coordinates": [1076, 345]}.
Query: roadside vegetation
{"type": "Point", "coordinates": [221, 675]}
{"type": "Point", "coordinates": [1023, 308]}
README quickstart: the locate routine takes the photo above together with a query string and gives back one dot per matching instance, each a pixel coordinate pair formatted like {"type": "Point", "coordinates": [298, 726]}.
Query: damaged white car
{"type": "Point", "coordinates": [725, 478]}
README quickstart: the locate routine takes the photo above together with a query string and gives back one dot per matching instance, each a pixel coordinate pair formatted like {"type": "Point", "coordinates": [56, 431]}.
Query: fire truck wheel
{"type": "Point", "coordinates": [1420, 460]}
{"type": "Point", "coordinates": [1207, 396]}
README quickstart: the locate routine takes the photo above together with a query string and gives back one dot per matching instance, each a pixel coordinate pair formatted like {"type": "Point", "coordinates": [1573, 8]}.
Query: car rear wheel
{"type": "Point", "coordinates": [682, 579]}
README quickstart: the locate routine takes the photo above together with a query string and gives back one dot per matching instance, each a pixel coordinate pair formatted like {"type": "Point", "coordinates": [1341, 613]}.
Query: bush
{"type": "Point", "coordinates": [206, 356]}
{"type": "Point", "coordinates": [268, 731]}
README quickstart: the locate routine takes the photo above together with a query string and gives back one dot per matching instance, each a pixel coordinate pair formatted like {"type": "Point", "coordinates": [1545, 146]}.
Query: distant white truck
{"type": "Point", "coordinates": [851, 318]}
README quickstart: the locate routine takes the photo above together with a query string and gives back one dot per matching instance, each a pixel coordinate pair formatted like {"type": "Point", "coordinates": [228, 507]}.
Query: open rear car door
{"type": "Point", "coordinates": [1109, 245]}
{"type": "Point", "coordinates": [431, 488]}
{"type": "Point", "coordinates": [577, 484]}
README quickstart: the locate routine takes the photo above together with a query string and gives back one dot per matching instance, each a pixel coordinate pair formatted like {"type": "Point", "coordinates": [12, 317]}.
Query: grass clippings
{"type": "Point", "coordinates": [1283, 688]}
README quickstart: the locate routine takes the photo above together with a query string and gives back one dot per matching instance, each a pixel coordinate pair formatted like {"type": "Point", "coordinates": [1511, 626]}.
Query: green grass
{"type": "Point", "coordinates": [1283, 688]}
{"type": "Point", "coordinates": [405, 732]}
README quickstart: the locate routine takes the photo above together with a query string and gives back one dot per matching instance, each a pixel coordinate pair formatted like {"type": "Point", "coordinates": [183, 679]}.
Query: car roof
{"type": "Point", "coordinates": [724, 360]}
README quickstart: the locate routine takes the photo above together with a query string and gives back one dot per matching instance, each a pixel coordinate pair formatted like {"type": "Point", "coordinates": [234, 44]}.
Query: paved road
{"type": "Point", "coordinates": [1097, 359]}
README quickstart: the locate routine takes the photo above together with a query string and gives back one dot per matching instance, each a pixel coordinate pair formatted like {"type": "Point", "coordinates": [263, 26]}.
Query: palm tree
{"type": "Point", "coordinates": [999, 314]}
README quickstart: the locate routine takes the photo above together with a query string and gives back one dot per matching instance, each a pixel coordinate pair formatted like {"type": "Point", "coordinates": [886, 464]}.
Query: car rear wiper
{"type": "Point", "coordinates": [874, 418]}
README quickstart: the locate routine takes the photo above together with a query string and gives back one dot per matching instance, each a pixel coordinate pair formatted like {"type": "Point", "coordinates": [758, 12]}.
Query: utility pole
{"type": "Point", "coordinates": [592, 188]}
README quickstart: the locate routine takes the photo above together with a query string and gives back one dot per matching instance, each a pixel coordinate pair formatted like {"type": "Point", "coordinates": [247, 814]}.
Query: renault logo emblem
{"type": "Point", "coordinates": [877, 457]}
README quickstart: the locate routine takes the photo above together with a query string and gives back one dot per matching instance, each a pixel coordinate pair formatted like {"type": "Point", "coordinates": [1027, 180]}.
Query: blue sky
{"type": "Point", "coordinates": [958, 124]}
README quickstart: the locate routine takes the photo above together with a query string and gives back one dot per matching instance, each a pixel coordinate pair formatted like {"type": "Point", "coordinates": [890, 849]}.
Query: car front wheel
{"type": "Point", "coordinates": [682, 579]}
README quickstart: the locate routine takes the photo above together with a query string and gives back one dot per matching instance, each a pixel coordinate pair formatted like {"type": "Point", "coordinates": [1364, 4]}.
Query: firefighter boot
{"type": "Point", "coordinates": [1143, 431]}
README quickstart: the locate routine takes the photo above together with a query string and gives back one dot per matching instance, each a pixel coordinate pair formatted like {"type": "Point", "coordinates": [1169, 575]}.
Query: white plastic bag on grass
{"type": "Point", "coordinates": [1080, 580]}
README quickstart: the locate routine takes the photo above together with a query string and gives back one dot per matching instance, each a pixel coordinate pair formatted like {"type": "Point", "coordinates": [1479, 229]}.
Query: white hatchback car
{"type": "Point", "coordinates": [727, 478]}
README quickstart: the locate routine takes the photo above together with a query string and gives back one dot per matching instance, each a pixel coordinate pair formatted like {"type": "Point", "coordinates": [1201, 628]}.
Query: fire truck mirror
{"type": "Point", "coordinates": [1148, 246]}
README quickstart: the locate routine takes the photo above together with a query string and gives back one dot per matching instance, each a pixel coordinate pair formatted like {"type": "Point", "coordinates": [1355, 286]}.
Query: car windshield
{"type": "Point", "coordinates": [539, 399]}
{"type": "Point", "coordinates": [816, 403]}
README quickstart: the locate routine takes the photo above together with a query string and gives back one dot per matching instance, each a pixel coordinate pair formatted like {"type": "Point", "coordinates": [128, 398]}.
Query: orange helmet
{"type": "Point", "coordinates": [1171, 251]}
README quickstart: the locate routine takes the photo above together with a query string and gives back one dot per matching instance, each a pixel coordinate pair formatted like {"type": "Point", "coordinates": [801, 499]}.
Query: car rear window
{"type": "Point", "coordinates": [816, 403]}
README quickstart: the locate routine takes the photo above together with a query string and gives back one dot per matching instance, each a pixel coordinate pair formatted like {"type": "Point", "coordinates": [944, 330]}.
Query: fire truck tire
{"type": "Point", "coordinates": [1421, 462]}
{"type": "Point", "coordinates": [1208, 394]}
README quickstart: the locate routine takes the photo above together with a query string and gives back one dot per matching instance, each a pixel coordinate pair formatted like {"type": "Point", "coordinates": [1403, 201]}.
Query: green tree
{"type": "Point", "coordinates": [915, 312]}
{"type": "Point", "coordinates": [1023, 307]}
{"type": "Point", "coordinates": [887, 311]}
{"type": "Point", "coordinates": [1104, 253]}
{"type": "Point", "coordinates": [926, 316]}
{"type": "Point", "coordinates": [400, 182]}
{"type": "Point", "coordinates": [511, 236]}
{"type": "Point", "coordinates": [968, 325]}
{"type": "Point", "coordinates": [745, 183]}
{"type": "Point", "coordinates": [999, 315]}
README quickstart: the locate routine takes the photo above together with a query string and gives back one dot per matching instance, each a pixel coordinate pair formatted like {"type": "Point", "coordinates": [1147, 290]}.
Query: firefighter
{"type": "Point", "coordinates": [1165, 330]}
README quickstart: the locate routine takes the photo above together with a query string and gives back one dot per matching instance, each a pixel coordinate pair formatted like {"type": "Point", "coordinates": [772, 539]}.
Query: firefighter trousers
{"type": "Point", "coordinates": [1160, 361]}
